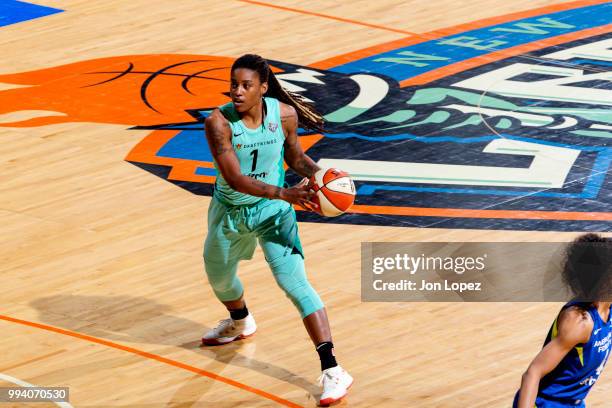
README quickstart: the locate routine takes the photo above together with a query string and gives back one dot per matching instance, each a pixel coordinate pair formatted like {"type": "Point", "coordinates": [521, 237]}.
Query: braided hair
{"type": "Point", "coordinates": [308, 117]}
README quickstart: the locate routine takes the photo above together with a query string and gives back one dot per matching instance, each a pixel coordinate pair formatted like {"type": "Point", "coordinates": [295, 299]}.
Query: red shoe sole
{"type": "Point", "coordinates": [328, 401]}
{"type": "Point", "coordinates": [214, 342]}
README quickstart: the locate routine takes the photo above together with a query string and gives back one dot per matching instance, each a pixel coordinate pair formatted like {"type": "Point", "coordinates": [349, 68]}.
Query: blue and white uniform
{"type": "Point", "coordinates": [570, 382]}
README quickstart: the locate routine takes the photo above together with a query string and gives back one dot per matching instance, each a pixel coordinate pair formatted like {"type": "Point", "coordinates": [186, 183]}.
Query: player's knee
{"type": "Point", "coordinates": [227, 289]}
{"type": "Point", "coordinates": [210, 255]}
{"type": "Point", "coordinates": [305, 299]}
{"type": "Point", "coordinates": [294, 283]}
{"type": "Point", "coordinates": [221, 284]}
{"type": "Point", "coordinates": [223, 280]}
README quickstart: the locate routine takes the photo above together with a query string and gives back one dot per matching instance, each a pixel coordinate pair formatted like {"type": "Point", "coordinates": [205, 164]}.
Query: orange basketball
{"type": "Point", "coordinates": [335, 191]}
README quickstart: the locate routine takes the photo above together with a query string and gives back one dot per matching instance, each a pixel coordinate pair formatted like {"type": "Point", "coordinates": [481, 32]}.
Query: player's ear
{"type": "Point", "coordinates": [264, 88]}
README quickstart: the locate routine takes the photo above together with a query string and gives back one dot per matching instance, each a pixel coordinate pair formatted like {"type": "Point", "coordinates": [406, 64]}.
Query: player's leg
{"type": "Point", "coordinates": [291, 277]}
{"type": "Point", "coordinates": [278, 236]}
{"type": "Point", "coordinates": [223, 249]}
{"type": "Point", "coordinates": [317, 326]}
{"type": "Point", "coordinates": [228, 289]}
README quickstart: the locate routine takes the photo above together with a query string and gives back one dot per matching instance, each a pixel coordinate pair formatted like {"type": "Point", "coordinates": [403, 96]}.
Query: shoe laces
{"type": "Point", "coordinates": [223, 325]}
{"type": "Point", "coordinates": [324, 375]}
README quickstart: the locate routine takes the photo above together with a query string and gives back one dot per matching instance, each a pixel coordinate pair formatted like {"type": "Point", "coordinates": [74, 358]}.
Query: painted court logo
{"type": "Point", "coordinates": [493, 126]}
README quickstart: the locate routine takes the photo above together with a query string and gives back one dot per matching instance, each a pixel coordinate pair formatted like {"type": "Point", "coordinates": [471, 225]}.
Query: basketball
{"type": "Point", "coordinates": [223, 163]}
{"type": "Point", "coordinates": [334, 191]}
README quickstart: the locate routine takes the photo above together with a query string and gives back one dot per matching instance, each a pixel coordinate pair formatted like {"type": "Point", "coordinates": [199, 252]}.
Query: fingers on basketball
{"type": "Point", "coordinates": [334, 191]}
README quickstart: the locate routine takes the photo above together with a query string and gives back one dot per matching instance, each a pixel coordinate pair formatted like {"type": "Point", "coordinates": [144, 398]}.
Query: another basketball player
{"type": "Point", "coordinates": [578, 344]}
{"type": "Point", "coordinates": [249, 138]}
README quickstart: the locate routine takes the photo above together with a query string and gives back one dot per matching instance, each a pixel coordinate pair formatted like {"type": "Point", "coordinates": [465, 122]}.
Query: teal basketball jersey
{"type": "Point", "coordinates": [260, 152]}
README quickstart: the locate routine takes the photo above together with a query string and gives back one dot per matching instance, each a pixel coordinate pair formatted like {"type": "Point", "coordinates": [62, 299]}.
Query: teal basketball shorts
{"type": "Point", "coordinates": [233, 233]}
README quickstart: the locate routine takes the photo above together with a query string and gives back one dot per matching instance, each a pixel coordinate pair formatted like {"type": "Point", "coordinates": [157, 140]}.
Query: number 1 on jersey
{"type": "Point", "coordinates": [254, 154]}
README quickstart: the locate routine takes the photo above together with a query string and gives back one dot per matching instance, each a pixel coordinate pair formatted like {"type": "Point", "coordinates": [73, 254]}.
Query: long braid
{"type": "Point", "coordinates": [308, 117]}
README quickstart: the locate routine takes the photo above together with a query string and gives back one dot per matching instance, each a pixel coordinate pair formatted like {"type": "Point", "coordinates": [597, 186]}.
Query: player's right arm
{"type": "Point", "coordinates": [574, 327]}
{"type": "Point", "coordinates": [219, 136]}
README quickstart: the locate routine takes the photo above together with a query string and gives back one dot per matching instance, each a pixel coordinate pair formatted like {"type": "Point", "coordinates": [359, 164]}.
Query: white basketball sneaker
{"type": "Point", "coordinates": [229, 330]}
{"type": "Point", "coordinates": [336, 382]}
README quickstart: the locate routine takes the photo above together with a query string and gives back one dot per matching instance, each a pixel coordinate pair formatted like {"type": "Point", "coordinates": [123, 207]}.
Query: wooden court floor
{"type": "Point", "coordinates": [103, 287]}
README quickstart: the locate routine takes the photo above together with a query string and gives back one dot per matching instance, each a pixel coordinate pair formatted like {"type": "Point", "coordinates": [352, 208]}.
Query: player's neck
{"type": "Point", "coordinates": [253, 118]}
{"type": "Point", "coordinates": [603, 308]}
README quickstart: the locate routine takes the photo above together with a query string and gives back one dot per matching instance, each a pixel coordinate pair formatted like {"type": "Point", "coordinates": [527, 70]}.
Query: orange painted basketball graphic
{"type": "Point", "coordinates": [426, 90]}
{"type": "Point", "coordinates": [142, 90]}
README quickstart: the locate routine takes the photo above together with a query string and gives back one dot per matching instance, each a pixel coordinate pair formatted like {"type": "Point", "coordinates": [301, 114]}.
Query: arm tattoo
{"type": "Point", "coordinates": [276, 192]}
{"type": "Point", "coordinates": [265, 190]}
{"type": "Point", "coordinates": [305, 166]}
{"type": "Point", "coordinates": [296, 159]}
{"type": "Point", "coordinates": [219, 142]}
{"type": "Point", "coordinates": [289, 119]}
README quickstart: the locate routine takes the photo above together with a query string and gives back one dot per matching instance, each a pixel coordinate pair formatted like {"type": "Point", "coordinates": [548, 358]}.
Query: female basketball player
{"type": "Point", "coordinates": [249, 138]}
{"type": "Point", "coordinates": [578, 344]}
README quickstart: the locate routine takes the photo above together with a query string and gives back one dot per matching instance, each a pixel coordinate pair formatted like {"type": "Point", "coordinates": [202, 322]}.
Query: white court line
{"type": "Point", "coordinates": [22, 383]}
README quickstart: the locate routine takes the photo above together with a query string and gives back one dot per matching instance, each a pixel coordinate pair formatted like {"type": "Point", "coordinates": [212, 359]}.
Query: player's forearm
{"type": "Point", "coordinates": [248, 185]}
{"type": "Point", "coordinates": [304, 166]}
{"type": "Point", "coordinates": [529, 389]}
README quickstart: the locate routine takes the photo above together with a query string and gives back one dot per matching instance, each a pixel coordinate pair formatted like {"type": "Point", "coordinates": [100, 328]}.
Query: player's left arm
{"type": "Point", "coordinates": [574, 328]}
{"type": "Point", "coordinates": [294, 155]}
